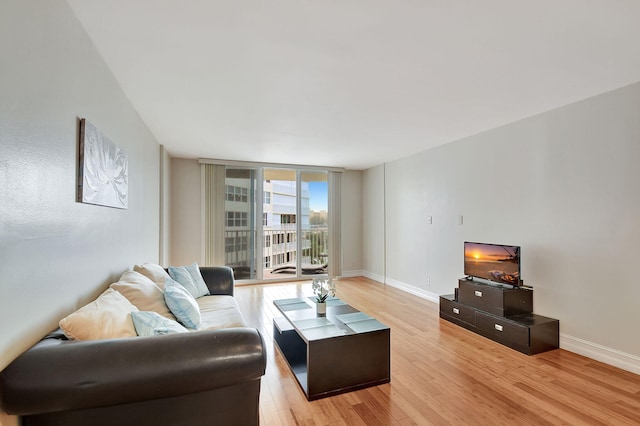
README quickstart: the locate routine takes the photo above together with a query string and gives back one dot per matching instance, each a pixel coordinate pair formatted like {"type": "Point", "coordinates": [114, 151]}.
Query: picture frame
{"type": "Point", "coordinates": [103, 169]}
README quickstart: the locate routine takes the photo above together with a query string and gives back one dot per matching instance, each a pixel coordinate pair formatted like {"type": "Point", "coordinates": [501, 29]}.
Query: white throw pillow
{"type": "Point", "coordinates": [155, 273]}
{"type": "Point", "coordinates": [143, 293]}
{"type": "Point", "coordinates": [109, 316]}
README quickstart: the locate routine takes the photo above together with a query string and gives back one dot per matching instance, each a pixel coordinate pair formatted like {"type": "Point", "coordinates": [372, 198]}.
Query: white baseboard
{"type": "Point", "coordinates": [408, 288]}
{"type": "Point", "coordinates": [582, 347]}
{"type": "Point", "coordinates": [374, 277]}
{"type": "Point", "coordinates": [600, 353]}
{"type": "Point", "coordinates": [355, 273]}
{"type": "Point", "coordinates": [416, 291]}
{"type": "Point", "coordinates": [424, 294]}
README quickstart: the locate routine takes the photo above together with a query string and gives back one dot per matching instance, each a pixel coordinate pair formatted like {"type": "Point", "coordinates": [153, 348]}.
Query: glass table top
{"type": "Point", "coordinates": [340, 320]}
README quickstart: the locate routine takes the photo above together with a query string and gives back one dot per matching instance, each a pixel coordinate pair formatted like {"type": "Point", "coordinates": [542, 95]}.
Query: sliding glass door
{"type": "Point", "coordinates": [294, 223]}
{"type": "Point", "coordinates": [267, 223]}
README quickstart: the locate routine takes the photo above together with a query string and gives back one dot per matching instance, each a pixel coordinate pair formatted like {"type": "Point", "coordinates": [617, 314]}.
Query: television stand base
{"type": "Point", "coordinates": [501, 314]}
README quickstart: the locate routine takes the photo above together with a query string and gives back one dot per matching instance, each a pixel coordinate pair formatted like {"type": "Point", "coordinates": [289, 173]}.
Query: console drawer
{"type": "Point", "coordinates": [502, 329]}
{"type": "Point", "coordinates": [496, 300]}
{"type": "Point", "coordinates": [481, 296]}
{"type": "Point", "coordinates": [453, 309]}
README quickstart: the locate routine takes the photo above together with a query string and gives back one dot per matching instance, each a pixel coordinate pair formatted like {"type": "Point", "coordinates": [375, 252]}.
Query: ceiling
{"type": "Point", "coordinates": [354, 83]}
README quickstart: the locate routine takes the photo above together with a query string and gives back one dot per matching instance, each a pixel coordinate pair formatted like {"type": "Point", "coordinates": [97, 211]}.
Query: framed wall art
{"type": "Point", "coordinates": [103, 169]}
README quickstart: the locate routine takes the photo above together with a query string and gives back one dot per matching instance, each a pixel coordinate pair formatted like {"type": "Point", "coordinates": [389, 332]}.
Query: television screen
{"type": "Point", "coordinates": [492, 262]}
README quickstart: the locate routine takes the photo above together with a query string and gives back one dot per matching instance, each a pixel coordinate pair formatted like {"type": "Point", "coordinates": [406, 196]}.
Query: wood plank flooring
{"type": "Point", "coordinates": [440, 373]}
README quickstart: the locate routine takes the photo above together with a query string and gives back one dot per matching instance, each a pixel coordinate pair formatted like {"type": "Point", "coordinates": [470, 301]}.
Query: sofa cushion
{"type": "Point", "coordinates": [149, 323]}
{"type": "Point", "coordinates": [220, 312]}
{"type": "Point", "coordinates": [155, 273]}
{"type": "Point", "coordinates": [182, 304]}
{"type": "Point", "coordinates": [143, 293]}
{"type": "Point", "coordinates": [109, 316]}
{"type": "Point", "coordinates": [190, 278]}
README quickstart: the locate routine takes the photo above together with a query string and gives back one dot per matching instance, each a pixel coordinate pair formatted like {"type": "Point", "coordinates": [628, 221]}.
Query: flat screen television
{"type": "Point", "coordinates": [493, 262]}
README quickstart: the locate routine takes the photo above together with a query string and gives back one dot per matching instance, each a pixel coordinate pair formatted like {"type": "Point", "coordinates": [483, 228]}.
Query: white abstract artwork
{"type": "Point", "coordinates": [103, 169]}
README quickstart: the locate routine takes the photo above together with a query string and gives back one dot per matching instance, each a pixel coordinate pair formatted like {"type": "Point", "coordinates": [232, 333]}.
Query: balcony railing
{"type": "Point", "coordinates": [279, 252]}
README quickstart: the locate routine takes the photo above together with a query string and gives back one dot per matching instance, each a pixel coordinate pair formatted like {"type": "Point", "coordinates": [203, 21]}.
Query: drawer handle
{"type": "Point", "coordinates": [456, 311]}
{"type": "Point", "coordinates": [478, 293]}
{"type": "Point", "coordinates": [498, 327]}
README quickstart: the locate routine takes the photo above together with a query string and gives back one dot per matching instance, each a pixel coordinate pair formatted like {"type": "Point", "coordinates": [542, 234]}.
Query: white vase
{"type": "Point", "coordinates": [321, 308]}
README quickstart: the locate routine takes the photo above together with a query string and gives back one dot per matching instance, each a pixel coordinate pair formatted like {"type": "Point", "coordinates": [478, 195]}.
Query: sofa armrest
{"type": "Point", "coordinates": [219, 279]}
{"type": "Point", "coordinates": [73, 375]}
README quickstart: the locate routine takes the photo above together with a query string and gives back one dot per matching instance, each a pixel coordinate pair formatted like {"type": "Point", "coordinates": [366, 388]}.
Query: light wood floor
{"type": "Point", "coordinates": [441, 373]}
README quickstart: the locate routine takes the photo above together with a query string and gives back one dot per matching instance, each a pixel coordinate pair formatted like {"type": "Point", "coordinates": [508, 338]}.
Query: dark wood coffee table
{"type": "Point", "coordinates": [342, 352]}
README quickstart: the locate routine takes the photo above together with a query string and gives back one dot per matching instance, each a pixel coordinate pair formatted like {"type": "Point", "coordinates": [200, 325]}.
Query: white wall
{"type": "Point", "coordinates": [563, 185]}
{"type": "Point", "coordinates": [165, 207]}
{"type": "Point", "coordinates": [373, 227]}
{"type": "Point", "coordinates": [57, 254]}
{"type": "Point", "coordinates": [351, 223]}
{"type": "Point", "coordinates": [186, 214]}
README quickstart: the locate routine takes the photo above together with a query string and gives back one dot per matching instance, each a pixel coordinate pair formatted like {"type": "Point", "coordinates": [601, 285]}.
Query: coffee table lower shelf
{"type": "Point", "coordinates": [335, 365]}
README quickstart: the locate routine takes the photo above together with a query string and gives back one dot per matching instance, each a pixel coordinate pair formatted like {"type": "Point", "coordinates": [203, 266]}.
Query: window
{"type": "Point", "coordinates": [288, 218]}
{"type": "Point", "coordinates": [236, 244]}
{"type": "Point", "coordinates": [278, 239]}
{"type": "Point", "coordinates": [242, 243]}
{"type": "Point", "coordinates": [237, 219]}
{"type": "Point", "coordinates": [236, 193]}
{"type": "Point", "coordinates": [267, 262]}
{"type": "Point", "coordinates": [265, 219]}
{"type": "Point", "coordinates": [267, 197]}
{"type": "Point", "coordinates": [267, 240]}
{"type": "Point", "coordinates": [229, 244]}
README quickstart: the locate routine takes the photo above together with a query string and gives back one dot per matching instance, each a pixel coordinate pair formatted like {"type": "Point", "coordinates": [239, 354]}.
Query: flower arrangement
{"type": "Point", "coordinates": [323, 287]}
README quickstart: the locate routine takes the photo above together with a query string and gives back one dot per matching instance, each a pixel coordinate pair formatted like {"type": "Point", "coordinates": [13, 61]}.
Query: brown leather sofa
{"type": "Point", "coordinates": [209, 377]}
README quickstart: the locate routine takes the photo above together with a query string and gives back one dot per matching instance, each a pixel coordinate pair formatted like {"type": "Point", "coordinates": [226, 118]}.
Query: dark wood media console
{"type": "Point", "coordinates": [501, 313]}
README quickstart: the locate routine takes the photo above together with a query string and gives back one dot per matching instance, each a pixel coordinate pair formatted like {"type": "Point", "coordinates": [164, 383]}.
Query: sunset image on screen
{"type": "Point", "coordinates": [493, 262]}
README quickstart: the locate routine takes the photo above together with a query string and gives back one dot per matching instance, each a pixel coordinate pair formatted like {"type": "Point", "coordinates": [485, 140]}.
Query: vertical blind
{"type": "Point", "coordinates": [335, 226]}
{"type": "Point", "coordinates": [213, 196]}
